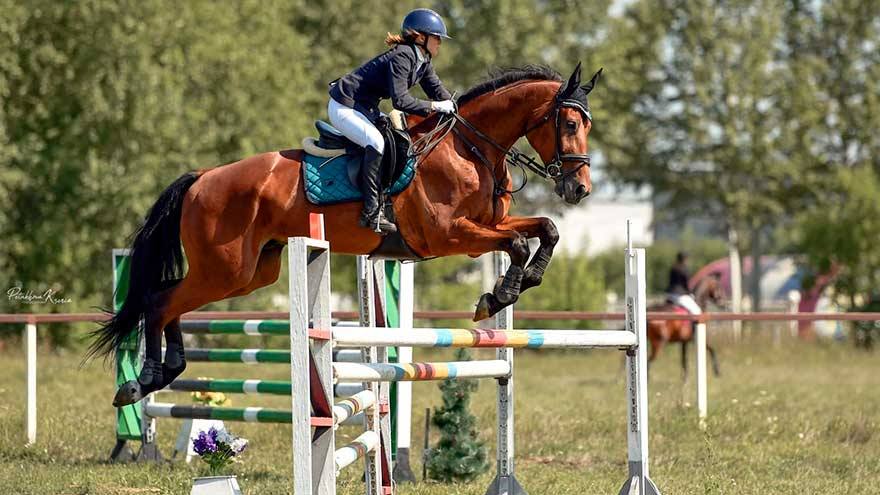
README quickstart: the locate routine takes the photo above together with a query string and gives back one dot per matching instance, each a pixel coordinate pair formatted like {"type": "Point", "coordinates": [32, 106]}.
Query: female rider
{"type": "Point", "coordinates": [354, 98]}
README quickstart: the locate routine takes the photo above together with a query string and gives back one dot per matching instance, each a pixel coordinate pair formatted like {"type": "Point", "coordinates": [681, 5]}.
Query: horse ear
{"type": "Point", "coordinates": [573, 82]}
{"type": "Point", "coordinates": [589, 86]}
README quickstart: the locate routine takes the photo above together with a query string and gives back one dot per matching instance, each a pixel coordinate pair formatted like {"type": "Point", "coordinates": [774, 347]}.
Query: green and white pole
{"type": "Point", "coordinates": [128, 365]}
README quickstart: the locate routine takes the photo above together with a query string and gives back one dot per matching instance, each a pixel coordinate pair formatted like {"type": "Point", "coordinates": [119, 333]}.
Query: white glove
{"type": "Point", "coordinates": [445, 106]}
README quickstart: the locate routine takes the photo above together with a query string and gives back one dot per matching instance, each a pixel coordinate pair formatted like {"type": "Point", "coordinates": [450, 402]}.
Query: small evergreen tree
{"type": "Point", "coordinates": [459, 455]}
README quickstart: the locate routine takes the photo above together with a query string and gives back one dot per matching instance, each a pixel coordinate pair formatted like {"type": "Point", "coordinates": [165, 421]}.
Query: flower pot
{"type": "Point", "coordinates": [215, 485]}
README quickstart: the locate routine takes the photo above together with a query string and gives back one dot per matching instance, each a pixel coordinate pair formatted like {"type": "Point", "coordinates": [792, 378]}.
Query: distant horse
{"type": "Point", "coordinates": [662, 331]}
{"type": "Point", "coordinates": [234, 220]}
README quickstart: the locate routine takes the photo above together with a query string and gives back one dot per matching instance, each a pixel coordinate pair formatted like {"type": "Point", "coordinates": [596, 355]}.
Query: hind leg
{"type": "Point", "coordinates": [684, 361]}
{"type": "Point", "coordinates": [164, 316]}
{"type": "Point", "coordinates": [175, 359]}
{"type": "Point", "coordinates": [656, 345]}
{"type": "Point", "coordinates": [200, 286]}
{"type": "Point", "coordinates": [267, 271]}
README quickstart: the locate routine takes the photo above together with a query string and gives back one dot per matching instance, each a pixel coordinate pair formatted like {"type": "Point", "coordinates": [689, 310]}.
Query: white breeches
{"type": "Point", "coordinates": [355, 125]}
{"type": "Point", "coordinates": [687, 302]}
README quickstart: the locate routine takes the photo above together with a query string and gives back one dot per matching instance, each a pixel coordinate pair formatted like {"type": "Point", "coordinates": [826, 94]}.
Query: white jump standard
{"type": "Point", "coordinates": [316, 461]}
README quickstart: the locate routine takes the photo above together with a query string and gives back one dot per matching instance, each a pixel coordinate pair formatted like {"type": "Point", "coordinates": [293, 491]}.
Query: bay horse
{"type": "Point", "coordinates": [662, 331]}
{"type": "Point", "coordinates": [234, 220]}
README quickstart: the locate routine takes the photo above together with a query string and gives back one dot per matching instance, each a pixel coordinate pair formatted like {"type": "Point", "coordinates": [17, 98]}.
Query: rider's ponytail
{"type": "Point", "coordinates": [397, 39]}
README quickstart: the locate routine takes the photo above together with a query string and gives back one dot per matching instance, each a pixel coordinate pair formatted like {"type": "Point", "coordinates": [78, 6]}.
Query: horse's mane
{"type": "Point", "coordinates": [499, 78]}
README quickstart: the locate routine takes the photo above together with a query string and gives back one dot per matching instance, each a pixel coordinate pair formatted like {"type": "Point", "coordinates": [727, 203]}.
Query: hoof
{"type": "Point", "coordinates": [487, 307]}
{"type": "Point", "coordinates": [129, 393]}
{"type": "Point", "coordinates": [482, 311]}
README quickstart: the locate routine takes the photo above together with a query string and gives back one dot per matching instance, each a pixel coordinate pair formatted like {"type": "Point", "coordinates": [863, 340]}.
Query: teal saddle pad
{"type": "Point", "coordinates": [327, 181]}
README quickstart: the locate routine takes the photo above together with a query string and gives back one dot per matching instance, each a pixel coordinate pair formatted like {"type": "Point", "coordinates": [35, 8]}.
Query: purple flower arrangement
{"type": "Point", "coordinates": [218, 448]}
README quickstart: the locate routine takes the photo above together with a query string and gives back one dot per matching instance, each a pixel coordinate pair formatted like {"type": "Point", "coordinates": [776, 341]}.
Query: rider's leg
{"type": "Point", "coordinates": [354, 125]}
{"type": "Point", "coordinates": [372, 215]}
{"type": "Point", "coordinates": [358, 128]}
{"type": "Point", "coordinates": [687, 302]}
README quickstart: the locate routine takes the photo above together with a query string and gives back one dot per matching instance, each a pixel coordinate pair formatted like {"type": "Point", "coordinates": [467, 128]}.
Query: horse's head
{"type": "Point", "coordinates": [560, 137]}
{"type": "Point", "coordinates": [710, 288]}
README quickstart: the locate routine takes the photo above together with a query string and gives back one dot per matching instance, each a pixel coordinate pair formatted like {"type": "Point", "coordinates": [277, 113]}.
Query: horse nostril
{"type": "Point", "coordinates": [582, 191]}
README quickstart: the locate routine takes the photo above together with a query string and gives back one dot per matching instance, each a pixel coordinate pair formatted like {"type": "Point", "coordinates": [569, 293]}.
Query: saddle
{"type": "Point", "coordinates": [331, 143]}
{"type": "Point", "coordinates": [332, 171]}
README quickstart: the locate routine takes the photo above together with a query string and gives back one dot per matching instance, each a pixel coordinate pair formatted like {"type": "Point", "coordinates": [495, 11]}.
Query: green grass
{"type": "Point", "coordinates": [800, 419]}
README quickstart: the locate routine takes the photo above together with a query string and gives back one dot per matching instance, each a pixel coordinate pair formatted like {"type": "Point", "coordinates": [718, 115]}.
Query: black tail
{"type": "Point", "coordinates": [156, 263]}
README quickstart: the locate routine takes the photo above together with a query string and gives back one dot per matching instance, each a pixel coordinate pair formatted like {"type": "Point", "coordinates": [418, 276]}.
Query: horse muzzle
{"type": "Point", "coordinates": [572, 191]}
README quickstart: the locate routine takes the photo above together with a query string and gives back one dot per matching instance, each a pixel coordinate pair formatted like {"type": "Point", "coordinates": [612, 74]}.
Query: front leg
{"type": "Point", "coordinates": [544, 229]}
{"type": "Point", "coordinates": [468, 237]}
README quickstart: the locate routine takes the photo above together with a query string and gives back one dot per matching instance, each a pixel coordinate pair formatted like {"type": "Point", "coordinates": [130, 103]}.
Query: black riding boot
{"type": "Point", "coordinates": [373, 213]}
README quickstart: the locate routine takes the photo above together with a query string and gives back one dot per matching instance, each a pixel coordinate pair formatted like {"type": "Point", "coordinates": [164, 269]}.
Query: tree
{"type": "Point", "coordinates": [460, 455]}
{"type": "Point", "coordinates": [723, 112]}
{"type": "Point", "coordinates": [106, 102]}
{"type": "Point", "coordinates": [846, 43]}
{"type": "Point", "coordinates": [846, 232]}
{"type": "Point", "coordinates": [341, 35]}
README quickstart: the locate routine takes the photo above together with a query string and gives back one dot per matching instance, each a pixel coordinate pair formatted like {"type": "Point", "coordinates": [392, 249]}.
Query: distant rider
{"type": "Point", "coordinates": [678, 291]}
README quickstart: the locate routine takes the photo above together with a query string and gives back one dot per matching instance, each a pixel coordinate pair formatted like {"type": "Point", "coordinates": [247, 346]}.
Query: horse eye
{"type": "Point", "coordinates": [571, 125]}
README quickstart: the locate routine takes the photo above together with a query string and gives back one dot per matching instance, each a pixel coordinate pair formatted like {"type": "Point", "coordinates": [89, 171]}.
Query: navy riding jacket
{"type": "Point", "coordinates": [678, 280]}
{"type": "Point", "coordinates": [390, 75]}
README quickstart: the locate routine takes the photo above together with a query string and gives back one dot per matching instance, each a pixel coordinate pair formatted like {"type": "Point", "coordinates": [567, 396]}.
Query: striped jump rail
{"type": "Point", "coordinates": [269, 387]}
{"type": "Point", "coordinates": [355, 404]}
{"type": "Point", "coordinates": [366, 442]}
{"type": "Point", "coordinates": [409, 372]}
{"type": "Point", "coordinates": [246, 414]}
{"type": "Point", "coordinates": [252, 356]}
{"type": "Point", "coordinates": [249, 356]}
{"type": "Point", "coordinates": [236, 327]}
{"type": "Point", "coordinates": [363, 371]}
{"type": "Point", "coordinates": [461, 337]}
{"type": "Point", "coordinates": [347, 335]}
{"type": "Point", "coordinates": [245, 327]}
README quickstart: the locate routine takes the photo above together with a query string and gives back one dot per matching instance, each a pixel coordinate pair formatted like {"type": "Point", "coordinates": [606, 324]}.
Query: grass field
{"type": "Point", "coordinates": [801, 419]}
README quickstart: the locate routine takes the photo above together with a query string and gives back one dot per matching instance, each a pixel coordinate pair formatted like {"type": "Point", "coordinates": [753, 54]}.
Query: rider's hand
{"type": "Point", "coordinates": [445, 106]}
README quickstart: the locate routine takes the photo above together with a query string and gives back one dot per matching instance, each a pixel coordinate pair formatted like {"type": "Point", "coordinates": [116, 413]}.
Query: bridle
{"type": "Point", "coordinates": [514, 157]}
{"type": "Point", "coordinates": [553, 170]}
